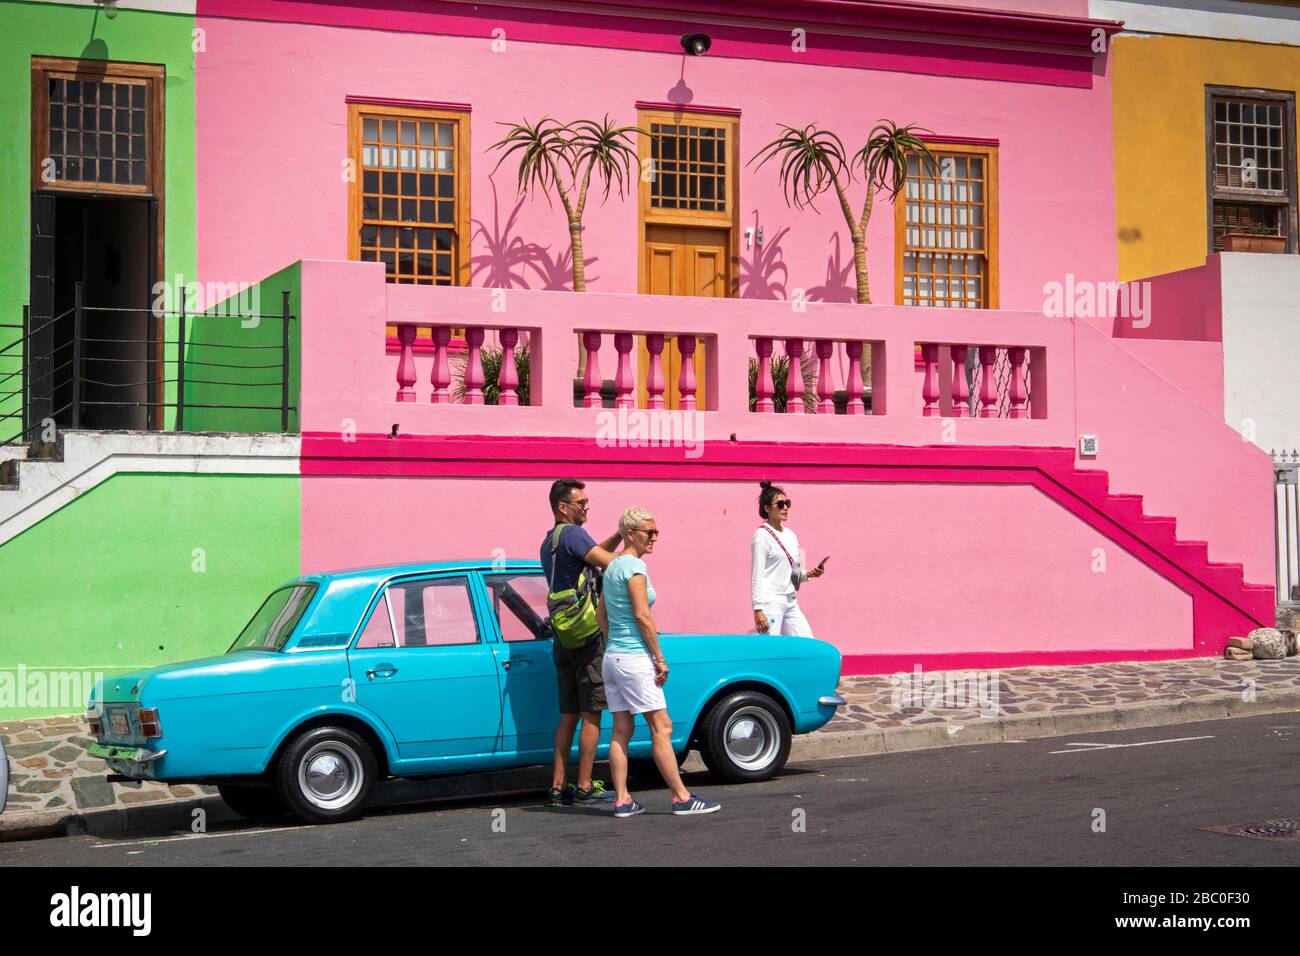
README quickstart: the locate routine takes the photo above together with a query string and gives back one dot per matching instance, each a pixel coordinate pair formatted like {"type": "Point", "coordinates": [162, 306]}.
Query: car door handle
{"type": "Point", "coordinates": [382, 670]}
{"type": "Point", "coordinates": [516, 659]}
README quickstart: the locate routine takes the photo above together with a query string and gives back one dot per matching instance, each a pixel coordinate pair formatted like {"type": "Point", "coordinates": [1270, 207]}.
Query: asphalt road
{"type": "Point", "coordinates": [1033, 803]}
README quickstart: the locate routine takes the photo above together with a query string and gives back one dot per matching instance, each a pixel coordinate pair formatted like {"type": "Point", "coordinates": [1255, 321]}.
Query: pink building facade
{"type": "Point", "coordinates": [954, 540]}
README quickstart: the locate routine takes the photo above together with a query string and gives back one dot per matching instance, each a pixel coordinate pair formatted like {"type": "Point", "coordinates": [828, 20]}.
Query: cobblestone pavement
{"type": "Point", "coordinates": [51, 770]}
{"type": "Point", "coordinates": [881, 700]}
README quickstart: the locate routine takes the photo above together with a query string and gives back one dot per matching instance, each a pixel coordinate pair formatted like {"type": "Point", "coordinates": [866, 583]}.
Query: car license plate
{"type": "Point", "coordinates": [120, 727]}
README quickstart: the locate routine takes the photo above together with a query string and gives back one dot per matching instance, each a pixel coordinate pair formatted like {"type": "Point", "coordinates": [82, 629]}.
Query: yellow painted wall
{"type": "Point", "coordinates": [1158, 89]}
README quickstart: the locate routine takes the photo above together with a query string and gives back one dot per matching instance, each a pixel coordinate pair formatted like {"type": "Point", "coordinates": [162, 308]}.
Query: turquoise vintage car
{"type": "Point", "coordinates": [343, 679]}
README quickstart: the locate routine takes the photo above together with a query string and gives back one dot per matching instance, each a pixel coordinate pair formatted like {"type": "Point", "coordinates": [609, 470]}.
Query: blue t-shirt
{"type": "Point", "coordinates": [624, 636]}
{"type": "Point", "coordinates": [570, 556]}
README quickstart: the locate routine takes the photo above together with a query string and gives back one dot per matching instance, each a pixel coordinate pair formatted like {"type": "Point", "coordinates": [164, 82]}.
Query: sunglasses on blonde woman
{"type": "Point", "coordinates": [650, 533]}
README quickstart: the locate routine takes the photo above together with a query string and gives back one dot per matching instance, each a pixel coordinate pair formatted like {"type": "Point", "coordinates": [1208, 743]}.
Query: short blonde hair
{"type": "Point", "coordinates": [632, 518]}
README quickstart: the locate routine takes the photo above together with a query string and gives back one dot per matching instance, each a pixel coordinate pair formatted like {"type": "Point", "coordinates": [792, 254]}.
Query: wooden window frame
{"type": "Point", "coordinates": [154, 77]}
{"type": "Point", "coordinates": [461, 270]}
{"type": "Point", "coordinates": [1252, 197]}
{"type": "Point", "coordinates": [648, 215]}
{"type": "Point", "coordinates": [989, 153]}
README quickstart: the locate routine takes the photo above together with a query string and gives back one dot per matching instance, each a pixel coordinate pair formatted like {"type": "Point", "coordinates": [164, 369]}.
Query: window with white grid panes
{"type": "Point", "coordinates": [1251, 152]}
{"type": "Point", "coordinates": [947, 230]}
{"type": "Point", "coordinates": [412, 213]}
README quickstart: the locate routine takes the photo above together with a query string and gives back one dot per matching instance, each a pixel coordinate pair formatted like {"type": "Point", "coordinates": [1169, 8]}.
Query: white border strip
{"type": "Point", "coordinates": [90, 458]}
{"type": "Point", "coordinates": [186, 7]}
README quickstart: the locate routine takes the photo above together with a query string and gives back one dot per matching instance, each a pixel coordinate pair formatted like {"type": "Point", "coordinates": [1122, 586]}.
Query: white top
{"type": "Point", "coordinates": [769, 574]}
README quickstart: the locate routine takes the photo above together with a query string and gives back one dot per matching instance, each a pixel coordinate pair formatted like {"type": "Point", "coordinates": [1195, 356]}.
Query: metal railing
{"type": "Point", "coordinates": [46, 372]}
{"type": "Point", "coordinates": [1286, 524]}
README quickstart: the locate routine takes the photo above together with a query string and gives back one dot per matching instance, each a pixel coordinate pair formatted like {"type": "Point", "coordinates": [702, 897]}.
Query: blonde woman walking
{"type": "Point", "coordinates": [634, 668]}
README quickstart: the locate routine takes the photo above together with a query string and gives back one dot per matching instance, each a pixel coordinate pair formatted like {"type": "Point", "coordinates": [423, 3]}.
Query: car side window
{"type": "Point", "coordinates": [519, 602]}
{"type": "Point", "coordinates": [435, 612]}
{"type": "Point", "coordinates": [378, 631]}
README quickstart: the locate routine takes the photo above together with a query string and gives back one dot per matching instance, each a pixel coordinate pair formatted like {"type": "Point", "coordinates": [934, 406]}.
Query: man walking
{"type": "Point", "coordinates": [577, 672]}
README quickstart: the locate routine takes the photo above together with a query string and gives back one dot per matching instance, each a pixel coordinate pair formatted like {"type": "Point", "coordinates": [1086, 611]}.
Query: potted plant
{"type": "Point", "coordinates": [1253, 237]}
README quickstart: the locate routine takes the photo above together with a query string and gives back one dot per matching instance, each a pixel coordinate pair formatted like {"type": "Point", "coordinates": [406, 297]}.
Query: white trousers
{"type": "Point", "coordinates": [784, 616]}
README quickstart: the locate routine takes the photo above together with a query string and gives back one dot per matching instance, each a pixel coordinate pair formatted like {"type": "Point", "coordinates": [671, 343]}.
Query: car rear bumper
{"type": "Point", "coordinates": [138, 763]}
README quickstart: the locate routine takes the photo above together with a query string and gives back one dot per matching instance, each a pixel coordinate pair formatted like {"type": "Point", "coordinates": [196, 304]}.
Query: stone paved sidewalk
{"type": "Point", "coordinates": [54, 777]}
{"type": "Point", "coordinates": [50, 770]}
{"type": "Point", "coordinates": [1051, 690]}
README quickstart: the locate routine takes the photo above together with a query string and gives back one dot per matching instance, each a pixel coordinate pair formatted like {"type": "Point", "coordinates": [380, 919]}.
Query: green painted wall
{"type": "Point", "coordinates": [48, 29]}
{"type": "Point", "coordinates": [224, 336]}
{"type": "Point", "coordinates": [110, 582]}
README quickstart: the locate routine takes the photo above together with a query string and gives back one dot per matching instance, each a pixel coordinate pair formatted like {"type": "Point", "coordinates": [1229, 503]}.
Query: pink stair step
{"type": "Point", "coordinates": [1095, 483]}
{"type": "Point", "coordinates": [1160, 529]}
{"type": "Point", "coordinates": [1127, 508]}
{"type": "Point", "coordinates": [1192, 554]}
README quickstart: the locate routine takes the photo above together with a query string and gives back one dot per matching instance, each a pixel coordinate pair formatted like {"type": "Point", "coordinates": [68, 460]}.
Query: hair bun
{"type": "Point", "coordinates": [765, 485]}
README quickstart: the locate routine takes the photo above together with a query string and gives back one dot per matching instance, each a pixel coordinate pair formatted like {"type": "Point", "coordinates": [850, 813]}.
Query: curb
{"type": "Point", "coordinates": [874, 740]}
{"type": "Point", "coordinates": [868, 741]}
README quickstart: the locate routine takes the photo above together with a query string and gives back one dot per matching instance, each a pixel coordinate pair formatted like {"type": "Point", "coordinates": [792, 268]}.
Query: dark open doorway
{"type": "Point", "coordinates": [107, 246]}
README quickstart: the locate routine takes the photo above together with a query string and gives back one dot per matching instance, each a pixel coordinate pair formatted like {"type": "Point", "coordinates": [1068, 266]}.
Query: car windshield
{"type": "Point", "coordinates": [275, 620]}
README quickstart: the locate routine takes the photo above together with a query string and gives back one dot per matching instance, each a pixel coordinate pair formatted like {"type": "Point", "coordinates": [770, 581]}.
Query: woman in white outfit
{"type": "Point", "coordinates": [776, 565]}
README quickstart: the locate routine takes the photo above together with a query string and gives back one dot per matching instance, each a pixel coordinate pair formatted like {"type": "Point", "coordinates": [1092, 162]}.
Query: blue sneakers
{"type": "Point", "coordinates": [597, 794]}
{"type": "Point", "coordinates": [629, 809]}
{"type": "Point", "coordinates": [694, 804]}
{"type": "Point", "coordinates": [561, 798]}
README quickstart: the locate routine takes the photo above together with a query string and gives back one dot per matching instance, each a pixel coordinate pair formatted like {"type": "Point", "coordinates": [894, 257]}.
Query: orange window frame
{"type": "Point", "coordinates": [941, 151]}
{"type": "Point", "coordinates": [726, 218]}
{"type": "Point", "coordinates": [460, 271]}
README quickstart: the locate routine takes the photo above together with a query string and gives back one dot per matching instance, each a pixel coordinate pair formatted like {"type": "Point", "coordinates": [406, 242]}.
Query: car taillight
{"type": "Point", "coordinates": [150, 726]}
{"type": "Point", "coordinates": [96, 725]}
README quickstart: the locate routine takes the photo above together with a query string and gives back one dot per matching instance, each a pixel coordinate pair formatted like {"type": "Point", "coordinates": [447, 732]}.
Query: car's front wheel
{"type": "Point", "coordinates": [325, 775]}
{"type": "Point", "coordinates": [256, 803]}
{"type": "Point", "coordinates": [745, 737]}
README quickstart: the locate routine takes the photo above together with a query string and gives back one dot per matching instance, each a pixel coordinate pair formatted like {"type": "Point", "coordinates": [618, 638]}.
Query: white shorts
{"type": "Point", "coordinates": [784, 616]}
{"type": "Point", "coordinates": [630, 684]}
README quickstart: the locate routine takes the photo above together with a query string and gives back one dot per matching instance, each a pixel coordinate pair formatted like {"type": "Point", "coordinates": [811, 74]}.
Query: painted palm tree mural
{"type": "Point", "coordinates": [815, 161]}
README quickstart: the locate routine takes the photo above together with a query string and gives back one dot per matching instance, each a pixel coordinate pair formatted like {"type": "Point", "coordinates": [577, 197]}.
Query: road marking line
{"type": "Point", "coordinates": [200, 836]}
{"type": "Point", "coordinates": [1093, 748]}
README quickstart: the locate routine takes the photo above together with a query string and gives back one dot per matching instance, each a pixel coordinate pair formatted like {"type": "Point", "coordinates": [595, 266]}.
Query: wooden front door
{"type": "Point", "coordinates": [683, 260]}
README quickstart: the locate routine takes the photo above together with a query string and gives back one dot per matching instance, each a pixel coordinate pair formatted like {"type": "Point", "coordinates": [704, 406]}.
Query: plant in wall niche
{"type": "Point", "coordinates": [491, 359]}
{"type": "Point", "coordinates": [780, 372]}
{"type": "Point", "coordinates": [813, 161]}
{"type": "Point", "coordinates": [562, 158]}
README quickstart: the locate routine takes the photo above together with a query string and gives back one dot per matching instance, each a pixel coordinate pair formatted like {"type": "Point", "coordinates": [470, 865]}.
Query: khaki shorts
{"type": "Point", "coordinates": [578, 676]}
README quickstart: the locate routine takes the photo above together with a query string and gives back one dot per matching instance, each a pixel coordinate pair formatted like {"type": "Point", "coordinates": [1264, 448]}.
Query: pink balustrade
{"type": "Point", "coordinates": [812, 368]}
{"type": "Point", "coordinates": [625, 385]}
{"type": "Point", "coordinates": [855, 377]}
{"type": "Point", "coordinates": [969, 381]}
{"type": "Point", "coordinates": [473, 386]}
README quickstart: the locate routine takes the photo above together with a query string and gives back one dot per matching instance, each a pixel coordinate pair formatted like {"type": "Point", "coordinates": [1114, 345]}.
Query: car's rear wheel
{"type": "Point", "coordinates": [745, 737]}
{"type": "Point", "coordinates": [325, 775]}
{"type": "Point", "coordinates": [256, 803]}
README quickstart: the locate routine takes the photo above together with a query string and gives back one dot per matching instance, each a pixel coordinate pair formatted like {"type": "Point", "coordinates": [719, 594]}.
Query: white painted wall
{"type": "Point", "coordinates": [1220, 19]}
{"type": "Point", "coordinates": [1261, 346]}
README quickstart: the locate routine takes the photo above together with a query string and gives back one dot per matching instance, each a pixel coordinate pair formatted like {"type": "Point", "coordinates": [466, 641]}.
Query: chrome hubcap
{"type": "Point", "coordinates": [752, 738]}
{"type": "Point", "coordinates": [330, 775]}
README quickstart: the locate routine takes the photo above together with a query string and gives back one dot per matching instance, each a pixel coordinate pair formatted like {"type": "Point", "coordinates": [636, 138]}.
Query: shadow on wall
{"type": "Point", "coordinates": [759, 273]}
{"type": "Point", "coordinates": [509, 259]}
{"type": "Point", "coordinates": [840, 284]}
